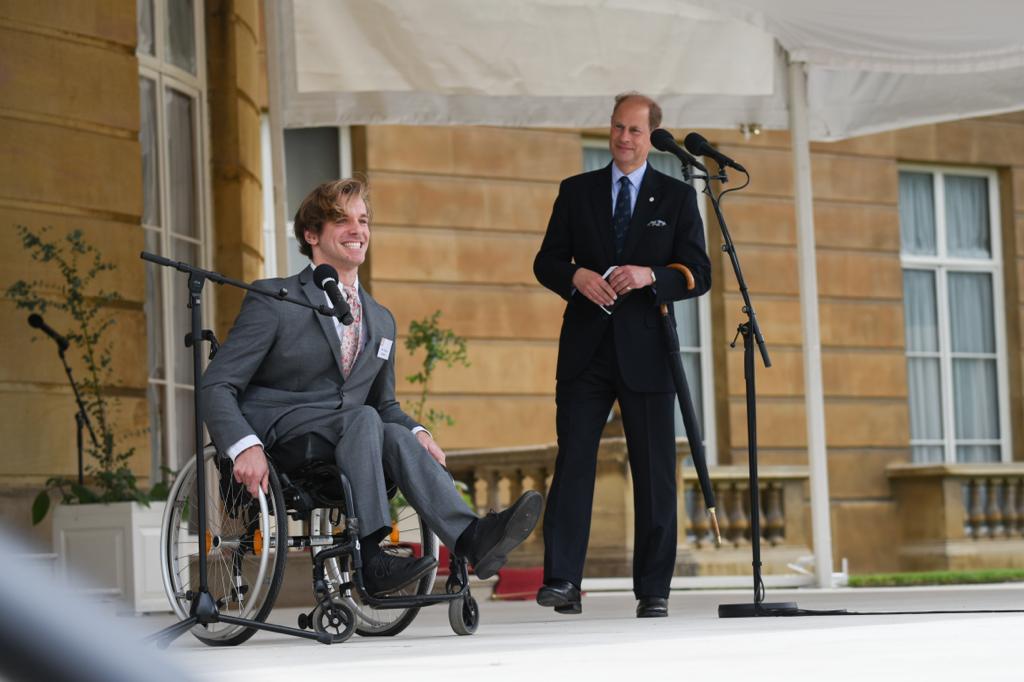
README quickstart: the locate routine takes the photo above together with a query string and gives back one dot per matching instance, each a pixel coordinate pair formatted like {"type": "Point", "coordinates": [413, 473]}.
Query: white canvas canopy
{"type": "Point", "coordinates": [824, 69]}
{"type": "Point", "coordinates": [871, 65]}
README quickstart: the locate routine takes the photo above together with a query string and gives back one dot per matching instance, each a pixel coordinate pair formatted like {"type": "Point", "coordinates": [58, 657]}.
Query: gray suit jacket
{"type": "Point", "coordinates": [278, 375]}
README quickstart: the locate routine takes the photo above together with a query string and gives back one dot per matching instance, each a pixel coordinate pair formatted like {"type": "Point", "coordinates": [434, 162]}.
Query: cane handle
{"type": "Point", "coordinates": [690, 284]}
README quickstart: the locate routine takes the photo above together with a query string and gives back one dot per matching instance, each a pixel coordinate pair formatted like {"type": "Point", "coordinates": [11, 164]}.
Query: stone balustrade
{"type": "Point", "coordinates": [497, 476]}
{"type": "Point", "coordinates": [960, 516]}
{"type": "Point", "coordinates": [781, 490]}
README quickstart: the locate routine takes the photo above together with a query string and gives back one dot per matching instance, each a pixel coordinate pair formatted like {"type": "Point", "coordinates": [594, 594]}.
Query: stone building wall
{"type": "Point", "coordinates": [69, 123]}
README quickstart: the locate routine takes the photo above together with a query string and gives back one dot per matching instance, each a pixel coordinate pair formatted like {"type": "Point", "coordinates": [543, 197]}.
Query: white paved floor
{"type": "Point", "coordinates": [522, 641]}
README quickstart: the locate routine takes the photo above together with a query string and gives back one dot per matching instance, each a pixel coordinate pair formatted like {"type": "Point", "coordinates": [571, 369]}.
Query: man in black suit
{"type": "Point", "coordinates": [632, 217]}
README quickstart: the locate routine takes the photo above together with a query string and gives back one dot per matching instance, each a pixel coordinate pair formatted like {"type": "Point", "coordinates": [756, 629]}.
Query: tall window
{"type": "Point", "coordinates": [953, 315]}
{"type": "Point", "coordinates": [693, 316]}
{"type": "Point", "coordinates": [172, 137]}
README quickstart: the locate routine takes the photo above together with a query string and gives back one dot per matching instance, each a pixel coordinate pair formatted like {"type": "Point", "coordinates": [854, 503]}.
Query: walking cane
{"type": "Point", "coordinates": [693, 434]}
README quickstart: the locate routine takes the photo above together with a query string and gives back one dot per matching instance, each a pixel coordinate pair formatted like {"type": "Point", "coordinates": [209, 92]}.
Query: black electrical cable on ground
{"type": "Point", "coordinates": [782, 613]}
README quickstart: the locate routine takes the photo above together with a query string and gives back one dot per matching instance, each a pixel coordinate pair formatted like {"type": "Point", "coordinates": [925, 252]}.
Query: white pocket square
{"type": "Point", "coordinates": [657, 223]}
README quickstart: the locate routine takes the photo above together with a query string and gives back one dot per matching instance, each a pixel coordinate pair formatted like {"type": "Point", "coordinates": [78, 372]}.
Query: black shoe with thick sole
{"type": "Point", "coordinates": [497, 534]}
{"type": "Point", "coordinates": [386, 573]}
{"type": "Point", "coordinates": [652, 607]}
{"type": "Point", "coordinates": [562, 595]}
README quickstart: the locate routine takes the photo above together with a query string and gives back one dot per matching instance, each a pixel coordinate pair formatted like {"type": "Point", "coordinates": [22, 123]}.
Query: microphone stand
{"type": "Point", "coordinates": [203, 610]}
{"type": "Point", "coordinates": [81, 416]}
{"type": "Point", "coordinates": [751, 333]}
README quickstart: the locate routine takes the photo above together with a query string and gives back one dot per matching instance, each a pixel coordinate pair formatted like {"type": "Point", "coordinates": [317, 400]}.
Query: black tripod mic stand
{"type": "Point", "coordinates": [82, 420]}
{"type": "Point", "coordinates": [751, 333]}
{"type": "Point", "coordinates": [203, 610]}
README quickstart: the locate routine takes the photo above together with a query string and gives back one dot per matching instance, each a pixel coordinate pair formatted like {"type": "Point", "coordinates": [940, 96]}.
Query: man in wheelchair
{"type": "Point", "coordinates": [286, 373]}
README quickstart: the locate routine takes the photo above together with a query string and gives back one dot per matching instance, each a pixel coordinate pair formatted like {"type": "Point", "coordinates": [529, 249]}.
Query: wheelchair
{"type": "Point", "coordinates": [248, 541]}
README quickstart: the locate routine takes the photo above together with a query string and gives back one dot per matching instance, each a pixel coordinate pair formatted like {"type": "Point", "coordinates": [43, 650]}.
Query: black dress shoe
{"type": "Point", "coordinates": [562, 595]}
{"type": "Point", "coordinates": [498, 534]}
{"type": "Point", "coordinates": [652, 607]}
{"type": "Point", "coordinates": [386, 573]}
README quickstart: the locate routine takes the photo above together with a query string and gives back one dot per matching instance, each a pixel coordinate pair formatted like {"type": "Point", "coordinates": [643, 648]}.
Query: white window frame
{"type": "Point", "coordinates": [178, 447]}
{"type": "Point", "coordinates": [941, 264]}
{"type": "Point", "coordinates": [707, 397]}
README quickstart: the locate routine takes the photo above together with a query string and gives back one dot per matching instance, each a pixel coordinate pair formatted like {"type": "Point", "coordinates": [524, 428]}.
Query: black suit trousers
{"type": "Point", "coordinates": [583, 404]}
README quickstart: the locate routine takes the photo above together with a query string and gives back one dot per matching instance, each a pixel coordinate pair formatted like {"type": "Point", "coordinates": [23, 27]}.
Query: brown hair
{"type": "Point", "coordinates": [653, 109]}
{"type": "Point", "coordinates": [325, 204]}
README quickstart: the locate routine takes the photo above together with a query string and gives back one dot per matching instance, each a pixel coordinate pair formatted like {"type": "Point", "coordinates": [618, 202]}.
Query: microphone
{"type": "Point", "coordinates": [663, 141]}
{"type": "Point", "coordinates": [326, 277]}
{"type": "Point", "coordinates": [36, 321]}
{"type": "Point", "coordinates": [696, 144]}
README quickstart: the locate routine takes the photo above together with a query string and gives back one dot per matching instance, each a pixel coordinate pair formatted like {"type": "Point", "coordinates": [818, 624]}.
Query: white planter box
{"type": "Point", "coordinates": [112, 550]}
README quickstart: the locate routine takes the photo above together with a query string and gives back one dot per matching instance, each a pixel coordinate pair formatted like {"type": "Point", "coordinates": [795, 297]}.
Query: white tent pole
{"type": "Point", "coordinates": [814, 395]}
{"type": "Point", "coordinates": [272, 17]}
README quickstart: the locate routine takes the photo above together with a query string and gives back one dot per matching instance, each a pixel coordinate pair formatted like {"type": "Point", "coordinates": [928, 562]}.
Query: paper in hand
{"type": "Point", "coordinates": [609, 309]}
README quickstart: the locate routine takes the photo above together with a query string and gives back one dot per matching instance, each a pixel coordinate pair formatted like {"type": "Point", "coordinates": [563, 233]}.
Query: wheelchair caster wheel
{"type": "Point", "coordinates": [336, 619]}
{"type": "Point", "coordinates": [303, 621]}
{"type": "Point", "coordinates": [464, 615]}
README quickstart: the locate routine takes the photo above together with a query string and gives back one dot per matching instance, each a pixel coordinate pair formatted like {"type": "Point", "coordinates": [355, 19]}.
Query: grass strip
{"type": "Point", "coordinates": [995, 575]}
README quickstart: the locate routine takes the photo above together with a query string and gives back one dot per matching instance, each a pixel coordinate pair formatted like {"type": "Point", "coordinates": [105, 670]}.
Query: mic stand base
{"type": "Point", "coordinates": [779, 608]}
{"type": "Point", "coordinates": [204, 612]}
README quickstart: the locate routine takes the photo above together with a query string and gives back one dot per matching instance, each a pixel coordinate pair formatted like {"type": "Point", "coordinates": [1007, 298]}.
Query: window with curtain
{"type": "Point", "coordinates": [953, 318]}
{"type": "Point", "coordinates": [172, 138]}
{"type": "Point", "coordinates": [693, 316]}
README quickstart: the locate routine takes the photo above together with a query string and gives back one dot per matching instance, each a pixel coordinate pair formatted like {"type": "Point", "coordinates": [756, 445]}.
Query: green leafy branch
{"type": "Point", "coordinates": [79, 265]}
{"type": "Point", "coordinates": [440, 345]}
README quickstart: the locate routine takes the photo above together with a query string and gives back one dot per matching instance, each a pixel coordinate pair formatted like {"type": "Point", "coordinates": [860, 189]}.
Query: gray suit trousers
{"type": "Point", "coordinates": [370, 451]}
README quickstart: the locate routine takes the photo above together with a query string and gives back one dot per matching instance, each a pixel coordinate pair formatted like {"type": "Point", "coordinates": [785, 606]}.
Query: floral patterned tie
{"type": "Point", "coordinates": [350, 335]}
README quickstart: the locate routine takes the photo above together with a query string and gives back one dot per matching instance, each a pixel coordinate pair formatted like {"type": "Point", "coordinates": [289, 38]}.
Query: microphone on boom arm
{"type": "Point", "coordinates": [326, 278]}
{"type": "Point", "coordinates": [697, 144]}
{"type": "Point", "coordinates": [37, 322]}
{"type": "Point", "coordinates": [662, 140]}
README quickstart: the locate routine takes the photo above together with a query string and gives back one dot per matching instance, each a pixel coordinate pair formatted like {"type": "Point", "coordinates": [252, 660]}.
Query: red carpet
{"type": "Point", "coordinates": [518, 583]}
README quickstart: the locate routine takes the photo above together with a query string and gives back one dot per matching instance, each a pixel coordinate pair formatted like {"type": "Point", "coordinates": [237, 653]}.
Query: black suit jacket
{"type": "Point", "coordinates": [665, 228]}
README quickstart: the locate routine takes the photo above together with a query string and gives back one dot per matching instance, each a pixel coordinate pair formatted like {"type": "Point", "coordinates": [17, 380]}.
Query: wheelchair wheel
{"type": "Point", "coordinates": [464, 615]}
{"type": "Point", "coordinates": [336, 619]}
{"type": "Point", "coordinates": [246, 544]}
{"type": "Point", "coordinates": [413, 537]}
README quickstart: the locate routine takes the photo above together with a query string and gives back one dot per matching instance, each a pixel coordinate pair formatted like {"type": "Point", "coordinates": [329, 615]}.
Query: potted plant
{"type": "Point", "coordinates": [107, 528]}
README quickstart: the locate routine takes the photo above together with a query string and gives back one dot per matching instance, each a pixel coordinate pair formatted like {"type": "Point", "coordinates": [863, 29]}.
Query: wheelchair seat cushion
{"type": "Point", "coordinates": [301, 453]}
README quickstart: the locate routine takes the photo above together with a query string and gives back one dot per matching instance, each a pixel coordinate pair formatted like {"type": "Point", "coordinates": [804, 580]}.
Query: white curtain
{"type": "Point", "coordinates": [148, 140]}
{"type": "Point", "coordinates": [972, 327]}
{"type": "Point", "coordinates": [919, 310]}
{"type": "Point", "coordinates": [967, 223]}
{"type": "Point", "coordinates": [975, 388]}
{"type": "Point", "coordinates": [924, 377]}
{"type": "Point", "coordinates": [971, 321]}
{"type": "Point", "coordinates": [917, 214]}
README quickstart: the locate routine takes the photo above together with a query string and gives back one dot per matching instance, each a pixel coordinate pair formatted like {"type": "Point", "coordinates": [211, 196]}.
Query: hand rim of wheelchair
{"type": "Point", "coordinates": [228, 634]}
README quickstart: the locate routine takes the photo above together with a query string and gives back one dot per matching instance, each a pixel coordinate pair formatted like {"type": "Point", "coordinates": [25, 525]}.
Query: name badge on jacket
{"type": "Point", "coordinates": [384, 352]}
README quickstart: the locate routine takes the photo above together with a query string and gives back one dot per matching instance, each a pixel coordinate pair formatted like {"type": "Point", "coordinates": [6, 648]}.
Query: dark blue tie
{"type": "Point", "coordinates": [621, 216]}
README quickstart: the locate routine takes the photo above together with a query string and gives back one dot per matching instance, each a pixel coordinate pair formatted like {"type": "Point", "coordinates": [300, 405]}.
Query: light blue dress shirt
{"type": "Point", "coordinates": [634, 184]}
